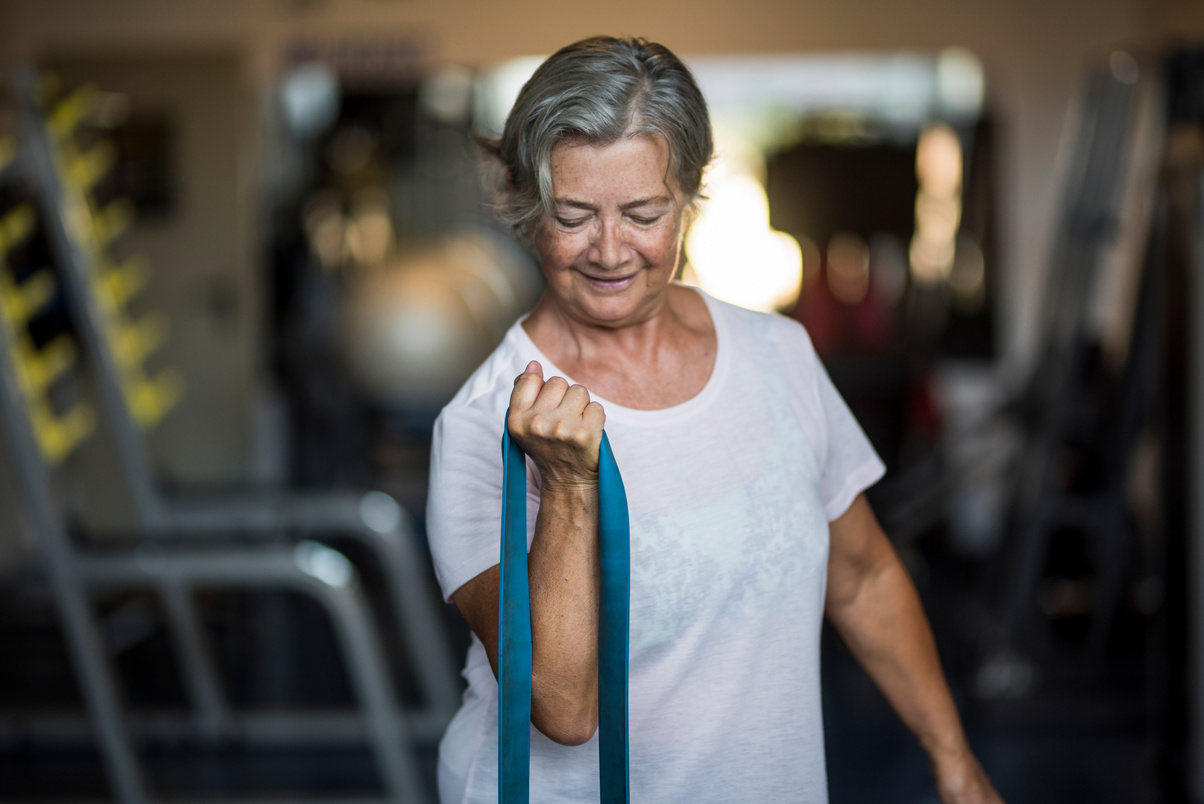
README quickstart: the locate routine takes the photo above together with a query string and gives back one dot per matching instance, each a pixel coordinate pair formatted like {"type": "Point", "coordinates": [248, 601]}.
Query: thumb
{"type": "Point", "coordinates": [526, 387]}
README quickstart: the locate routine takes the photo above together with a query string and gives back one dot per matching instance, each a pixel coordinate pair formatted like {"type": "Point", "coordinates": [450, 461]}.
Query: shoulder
{"type": "Point", "coordinates": [782, 335]}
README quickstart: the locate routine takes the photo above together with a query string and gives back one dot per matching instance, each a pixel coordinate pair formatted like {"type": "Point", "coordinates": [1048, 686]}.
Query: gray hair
{"type": "Point", "coordinates": [598, 91]}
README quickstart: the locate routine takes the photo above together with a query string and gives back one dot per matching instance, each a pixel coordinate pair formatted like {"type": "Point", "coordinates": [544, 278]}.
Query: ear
{"type": "Point", "coordinates": [688, 215]}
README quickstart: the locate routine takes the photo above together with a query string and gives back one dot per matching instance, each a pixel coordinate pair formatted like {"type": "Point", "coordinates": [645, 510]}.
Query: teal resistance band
{"type": "Point", "coordinates": [514, 631]}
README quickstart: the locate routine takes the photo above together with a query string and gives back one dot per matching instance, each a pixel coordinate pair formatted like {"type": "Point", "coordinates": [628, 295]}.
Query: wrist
{"type": "Point", "coordinates": [950, 754]}
{"type": "Point", "coordinates": [568, 486]}
{"type": "Point", "coordinates": [954, 767]}
{"type": "Point", "coordinates": [570, 503]}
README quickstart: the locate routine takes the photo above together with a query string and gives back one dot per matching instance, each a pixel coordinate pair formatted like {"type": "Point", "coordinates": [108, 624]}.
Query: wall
{"type": "Point", "coordinates": [1175, 20]}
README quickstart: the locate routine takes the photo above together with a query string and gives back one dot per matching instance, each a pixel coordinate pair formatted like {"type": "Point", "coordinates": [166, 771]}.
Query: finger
{"type": "Point", "coordinates": [595, 419]}
{"type": "Point", "coordinates": [575, 400]}
{"type": "Point", "coordinates": [533, 369]}
{"type": "Point", "coordinates": [526, 389]}
{"type": "Point", "coordinates": [551, 394]}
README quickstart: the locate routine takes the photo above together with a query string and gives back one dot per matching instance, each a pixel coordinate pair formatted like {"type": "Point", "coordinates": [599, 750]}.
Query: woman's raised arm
{"type": "Point", "coordinates": [561, 429]}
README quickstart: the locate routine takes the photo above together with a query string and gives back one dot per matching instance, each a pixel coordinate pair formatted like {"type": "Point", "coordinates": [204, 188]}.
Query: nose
{"type": "Point", "coordinates": [608, 249]}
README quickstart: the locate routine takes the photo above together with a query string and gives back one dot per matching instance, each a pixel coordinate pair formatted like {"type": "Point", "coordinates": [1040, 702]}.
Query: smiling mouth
{"type": "Point", "coordinates": [610, 282]}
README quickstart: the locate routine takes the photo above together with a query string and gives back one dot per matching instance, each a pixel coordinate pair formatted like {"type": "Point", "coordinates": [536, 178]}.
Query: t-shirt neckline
{"type": "Point", "coordinates": [619, 413]}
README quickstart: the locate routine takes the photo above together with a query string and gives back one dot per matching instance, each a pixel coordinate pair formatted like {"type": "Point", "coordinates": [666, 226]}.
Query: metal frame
{"type": "Point", "coordinates": [266, 516]}
{"type": "Point", "coordinates": [175, 568]}
{"type": "Point", "coordinates": [1121, 125]}
{"type": "Point", "coordinates": [175, 571]}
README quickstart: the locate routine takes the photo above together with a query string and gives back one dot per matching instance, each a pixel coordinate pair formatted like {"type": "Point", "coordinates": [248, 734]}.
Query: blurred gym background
{"type": "Point", "coordinates": [245, 256]}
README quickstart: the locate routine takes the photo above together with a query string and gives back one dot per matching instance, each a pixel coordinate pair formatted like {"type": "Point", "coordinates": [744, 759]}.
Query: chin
{"type": "Point", "coordinates": [618, 310]}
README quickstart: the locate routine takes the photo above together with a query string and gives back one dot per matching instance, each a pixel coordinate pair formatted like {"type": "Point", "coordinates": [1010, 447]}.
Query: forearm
{"type": "Point", "coordinates": [565, 588]}
{"type": "Point", "coordinates": [885, 627]}
{"type": "Point", "coordinates": [874, 605]}
{"type": "Point", "coordinates": [560, 429]}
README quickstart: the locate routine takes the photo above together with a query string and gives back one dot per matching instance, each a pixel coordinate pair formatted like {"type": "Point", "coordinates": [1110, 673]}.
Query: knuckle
{"type": "Point", "coordinates": [539, 425]}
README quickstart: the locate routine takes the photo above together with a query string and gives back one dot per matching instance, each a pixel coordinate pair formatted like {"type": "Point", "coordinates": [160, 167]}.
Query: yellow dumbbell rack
{"type": "Point", "coordinates": [94, 229]}
{"type": "Point", "coordinates": [38, 369]}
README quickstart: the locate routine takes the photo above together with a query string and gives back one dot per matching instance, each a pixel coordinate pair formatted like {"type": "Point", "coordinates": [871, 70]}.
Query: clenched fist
{"type": "Point", "coordinates": [558, 426]}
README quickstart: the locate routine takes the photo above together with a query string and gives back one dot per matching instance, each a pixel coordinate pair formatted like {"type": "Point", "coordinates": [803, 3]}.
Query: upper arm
{"type": "Point", "coordinates": [858, 551]}
{"type": "Point", "coordinates": [477, 601]}
{"type": "Point", "coordinates": [464, 503]}
{"type": "Point", "coordinates": [463, 511]}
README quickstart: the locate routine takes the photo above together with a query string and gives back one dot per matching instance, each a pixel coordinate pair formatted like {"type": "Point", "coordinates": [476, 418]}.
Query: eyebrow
{"type": "Point", "coordinates": [568, 202]}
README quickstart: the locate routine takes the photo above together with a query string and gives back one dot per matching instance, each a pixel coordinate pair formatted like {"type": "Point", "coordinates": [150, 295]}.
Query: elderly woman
{"type": "Point", "coordinates": [743, 468]}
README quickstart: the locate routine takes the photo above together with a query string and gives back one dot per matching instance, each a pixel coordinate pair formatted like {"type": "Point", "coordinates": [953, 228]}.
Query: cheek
{"type": "Point", "coordinates": [561, 249]}
{"type": "Point", "coordinates": [660, 246]}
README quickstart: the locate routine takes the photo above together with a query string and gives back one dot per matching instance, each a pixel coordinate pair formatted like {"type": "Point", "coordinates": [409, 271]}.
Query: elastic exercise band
{"type": "Point", "coordinates": [514, 631]}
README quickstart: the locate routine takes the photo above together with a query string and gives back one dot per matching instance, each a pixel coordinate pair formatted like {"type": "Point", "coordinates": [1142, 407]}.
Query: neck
{"type": "Point", "coordinates": [572, 343]}
{"type": "Point", "coordinates": [661, 360]}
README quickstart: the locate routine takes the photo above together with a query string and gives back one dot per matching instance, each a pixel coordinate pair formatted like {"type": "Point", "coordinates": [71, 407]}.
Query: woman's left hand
{"type": "Point", "coordinates": [961, 780]}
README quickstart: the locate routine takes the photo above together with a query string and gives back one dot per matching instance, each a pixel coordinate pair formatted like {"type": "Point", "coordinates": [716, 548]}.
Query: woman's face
{"type": "Point", "coordinates": [611, 248]}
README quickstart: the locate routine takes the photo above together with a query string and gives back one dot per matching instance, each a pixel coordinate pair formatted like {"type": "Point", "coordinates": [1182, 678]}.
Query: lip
{"type": "Point", "coordinates": [610, 283]}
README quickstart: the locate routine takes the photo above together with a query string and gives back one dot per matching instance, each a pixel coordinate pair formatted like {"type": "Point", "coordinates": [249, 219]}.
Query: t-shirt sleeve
{"type": "Point", "coordinates": [850, 465]}
{"type": "Point", "coordinates": [464, 503]}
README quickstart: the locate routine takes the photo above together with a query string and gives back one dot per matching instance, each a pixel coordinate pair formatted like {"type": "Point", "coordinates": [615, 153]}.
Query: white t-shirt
{"type": "Point", "coordinates": [730, 495]}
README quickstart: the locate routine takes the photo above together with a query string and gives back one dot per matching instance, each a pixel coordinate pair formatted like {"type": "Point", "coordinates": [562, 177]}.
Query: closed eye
{"type": "Point", "coordinates": [571, 223]}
